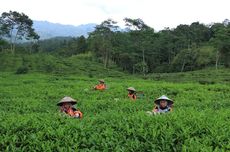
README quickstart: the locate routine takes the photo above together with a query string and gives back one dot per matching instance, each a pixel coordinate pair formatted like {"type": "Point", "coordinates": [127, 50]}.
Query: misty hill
{"type": "Point", "coordinates": [48, 30]}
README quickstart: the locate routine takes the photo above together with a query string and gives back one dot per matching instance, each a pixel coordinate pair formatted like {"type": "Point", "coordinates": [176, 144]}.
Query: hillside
{"type": "Point", "coordinates": [81, 65]}
{"type": "Point", "coordinates": [205, 76]}
{"type": "Point", "coordinates": [32, 84]}
{"type": "Point", "coordinates": [48, 30]}
{"type": "Point", "coordinates": [86, 65]}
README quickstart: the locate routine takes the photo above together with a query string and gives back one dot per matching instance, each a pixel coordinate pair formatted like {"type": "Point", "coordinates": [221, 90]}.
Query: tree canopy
{"type": "Point", "coordinates": [14, 26]}
{"type": "Point", "coordinates": [136, 48]}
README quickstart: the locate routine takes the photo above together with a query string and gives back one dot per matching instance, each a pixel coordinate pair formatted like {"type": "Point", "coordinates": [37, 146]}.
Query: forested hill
{"type": "Point", "coordinates": [48, 30]}
{"type": "Point", "coordinates": [143, 50]}
{"type": "Point", "coordinates": [138, 50]}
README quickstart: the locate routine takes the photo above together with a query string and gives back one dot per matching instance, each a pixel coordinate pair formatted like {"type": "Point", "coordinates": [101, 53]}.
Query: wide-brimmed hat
{"type": "Point", "coordinates": [131, 89]}
{"type": "Point", "coordinates": [157, 101]}
{"type": "Point", "coordinates": [67, 100]}
{"type": "Point", "coordinates": [101, 80]}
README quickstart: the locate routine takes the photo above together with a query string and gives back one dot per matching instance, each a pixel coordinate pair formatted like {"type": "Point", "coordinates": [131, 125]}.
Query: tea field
{"type": "Point", "coordinates": [30, 119]}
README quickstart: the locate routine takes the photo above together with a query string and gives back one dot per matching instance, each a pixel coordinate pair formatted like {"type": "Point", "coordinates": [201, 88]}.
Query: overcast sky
{"type": "Point", "coordinates": [156, 13]}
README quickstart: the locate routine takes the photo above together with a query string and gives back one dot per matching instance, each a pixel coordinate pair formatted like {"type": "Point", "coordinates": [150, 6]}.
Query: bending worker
{"type": "Point", "coordinates": [101, 85]}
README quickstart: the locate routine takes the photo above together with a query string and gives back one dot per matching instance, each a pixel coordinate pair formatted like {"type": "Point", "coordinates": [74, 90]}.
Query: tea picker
{"type": "Point", "coordinates": [132, 93]}
{"type": "Point", "coordinates": [67, 106]}
{"type": "Point", "coordinates": [162, 105]}
{"type": "Point", "coordinates": [101, 86]}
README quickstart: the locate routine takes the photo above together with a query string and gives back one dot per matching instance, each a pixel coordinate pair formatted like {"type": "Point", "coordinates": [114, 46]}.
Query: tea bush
{"type": "Point", "coordinates": [30, 120]}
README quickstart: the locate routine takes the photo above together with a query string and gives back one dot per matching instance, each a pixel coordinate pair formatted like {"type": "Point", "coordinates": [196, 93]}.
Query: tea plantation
{"type": "Point", "coordinates": [31, 121]}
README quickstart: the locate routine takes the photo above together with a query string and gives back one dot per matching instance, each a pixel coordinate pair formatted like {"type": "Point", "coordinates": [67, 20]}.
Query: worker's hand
{"type": "Point", "coordinates": [76, 115]}
{"type": "Point", "coordinates": [149, 113]}
{"type": "Point", "coordinates": [154, 110]}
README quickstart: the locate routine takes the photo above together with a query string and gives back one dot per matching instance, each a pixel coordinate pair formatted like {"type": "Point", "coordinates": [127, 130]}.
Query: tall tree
{"type": "Point", "coordinates": [101, 39]}
{"type": "Point", "coordinates": [81, 44]}
{"type": "Point", "coordinates": [16, 26]}
{"type": "Point", "coordinates": [199, 33]}
{"type": "Point", "coordinates": [221, 41]}
{"type": "Point", "coordinates": [3, 44]}
{"type": "Point", "coordinates": [138, 30]}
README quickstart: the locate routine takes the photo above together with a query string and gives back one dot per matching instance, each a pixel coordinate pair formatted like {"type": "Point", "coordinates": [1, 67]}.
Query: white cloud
{"type": "Point", "coordinates": [156, 13]}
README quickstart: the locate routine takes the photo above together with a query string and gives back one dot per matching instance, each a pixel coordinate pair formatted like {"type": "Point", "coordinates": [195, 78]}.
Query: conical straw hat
{"type": "Point", "coordinates": [67, 100]}
{"type": "Point", "coordinates": [157, 101]}
{"type": "Point", "coordinates": [101, 80]}
{"type": "Point", "coordinates": [131, 89]}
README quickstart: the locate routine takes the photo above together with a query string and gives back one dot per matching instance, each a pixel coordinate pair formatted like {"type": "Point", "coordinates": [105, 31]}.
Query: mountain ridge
{"type": "Point", "coordinates": [46, 29]}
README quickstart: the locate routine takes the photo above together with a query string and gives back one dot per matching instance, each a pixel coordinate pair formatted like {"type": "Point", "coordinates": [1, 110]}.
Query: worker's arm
{"type": "Point", "coordinates": [95, 87]}
{"type": "Point", "coordinates": [62, 109]}
{"type": "Point", "coordinates": [155, 109]}
{"type": "Point", "coordinates": [78, 114]}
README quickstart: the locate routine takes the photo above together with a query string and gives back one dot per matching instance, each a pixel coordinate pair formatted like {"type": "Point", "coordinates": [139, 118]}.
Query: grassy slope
{"type": "Point", "coordinates": [84, 65]}
{"type": "Point", "coordinates": [30, 119]}
{"type": "Point", "coordinates": [206, 76]}
{"type": "Point", "coordinates": [81, 65]}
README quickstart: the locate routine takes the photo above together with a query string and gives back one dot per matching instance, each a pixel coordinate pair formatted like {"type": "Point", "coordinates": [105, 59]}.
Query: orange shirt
{"type": "Point", "coordinates": [73, 113]}
{"type": "Point", "coordinates": [132, 96]}
{"type": "Point", "coordinates": [100, 87]}
{"type": "Point", "coordinates": [70, 111]}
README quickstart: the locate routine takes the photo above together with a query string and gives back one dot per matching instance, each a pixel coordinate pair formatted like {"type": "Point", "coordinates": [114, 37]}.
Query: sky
{"type": "Point", "coordinates": [155, 13]}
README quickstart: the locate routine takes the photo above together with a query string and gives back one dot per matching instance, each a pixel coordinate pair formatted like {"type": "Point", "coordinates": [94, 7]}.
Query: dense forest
{"type": "Point", "coordinates": [138, 48]}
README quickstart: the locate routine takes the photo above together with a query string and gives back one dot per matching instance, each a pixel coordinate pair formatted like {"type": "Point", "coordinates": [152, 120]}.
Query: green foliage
{"type": "Point", "coordinates": [3, 44]}
{"type": "Point", "coordinates": [82, 64]}
{"type": "Point", "coordinates": [16, 26]}
{"type": "Point", "coordinates": [30, 120]}
{"type": "Point", "coordinates": [22, 70]}
{"type": "Point", "coordinates": [137, 49]}
{"type": "Point", "coordinates": [194, 58]}
{"type": "Point", "coordinates": [221, 41]}
{"type": "Point", "coordinates": [9, 62]}
{"type": "Point", "coordinates": [101, 40]}
{"type": "Point", "coordinates": [185, 48]}
{"type": "Point", "coordinates": [186, 58]}
{"type": "Point", "coordinates": [205, 56]}
{"type": "Point", "coordinates": [140, 66]}
{"type": "Point", "coordinates": [206, 76]}
{"type": "Point", "coordinates": [135, 24]}
{"type": "Point", "coordinates": [54, 44]}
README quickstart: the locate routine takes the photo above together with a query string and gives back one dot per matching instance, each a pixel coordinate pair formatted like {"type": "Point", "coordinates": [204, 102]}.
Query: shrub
{"type": "Point", "coordinates": [22, 70]}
